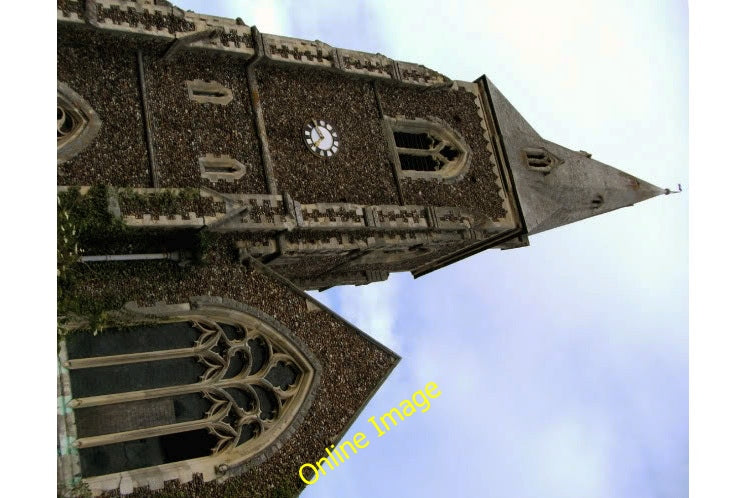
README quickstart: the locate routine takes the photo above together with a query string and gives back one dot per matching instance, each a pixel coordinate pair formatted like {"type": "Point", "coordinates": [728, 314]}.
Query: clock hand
{"type": "Point", "coordinates": [318, 132]}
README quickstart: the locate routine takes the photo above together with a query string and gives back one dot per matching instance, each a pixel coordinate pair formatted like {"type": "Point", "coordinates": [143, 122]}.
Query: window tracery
{"type": "Point", "coordinates": [428, 149]}
{"type": "Point", "coordinates": [77, 123]}
{"type": "Point", "coordinates": [66, 122]}
{"type": "Point", "coordinates": [252, 381]}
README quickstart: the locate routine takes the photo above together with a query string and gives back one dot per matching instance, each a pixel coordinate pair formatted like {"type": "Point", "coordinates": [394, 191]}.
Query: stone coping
{"type": "Point", "coordinates": [186, 30]}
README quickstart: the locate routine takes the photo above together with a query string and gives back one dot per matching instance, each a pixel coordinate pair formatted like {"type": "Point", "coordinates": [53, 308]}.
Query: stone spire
{"type": "Point", "coordinates": [557, 186]}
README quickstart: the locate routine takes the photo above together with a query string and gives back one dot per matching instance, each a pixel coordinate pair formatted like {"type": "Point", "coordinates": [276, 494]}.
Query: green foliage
{"type": "Point", "coordinates": [164, 202]}
{"type": "Point", "coordinates": [206, 241]}
{"type": "Point", "coordinates": [90, 214]}
{"type": "Point", "coordinates": [68, 251]}
{"type": "Point", "coordinates": [84, 225]}
{"type": "Point", "coordinates": [285, 490]}
{"type": "Point", "coordinates": [79, 490]}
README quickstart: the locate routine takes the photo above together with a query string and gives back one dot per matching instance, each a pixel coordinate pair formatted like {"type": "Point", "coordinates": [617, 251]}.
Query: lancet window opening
{"type": "Point", "coordinates": [209, 92]}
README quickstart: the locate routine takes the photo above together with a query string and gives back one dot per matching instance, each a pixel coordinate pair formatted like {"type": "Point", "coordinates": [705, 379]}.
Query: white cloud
{"type": "Point", "coordinates": [371, 308]}
{"type": "Point", "coordinates": [570, 457]}
{"type": "Point", "coordinates": [563, 366]}
{"type": "Point", "coordinates": [269, 16]}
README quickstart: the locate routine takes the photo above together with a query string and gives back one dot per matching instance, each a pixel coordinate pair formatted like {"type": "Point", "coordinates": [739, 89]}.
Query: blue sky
{"type": "Point", "coordinates": [564, 365]}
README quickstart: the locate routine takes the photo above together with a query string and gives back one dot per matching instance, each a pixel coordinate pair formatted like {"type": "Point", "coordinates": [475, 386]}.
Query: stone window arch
{"type": "Point", "coordinates": [427, 149]}
{"type": "Point", "coordinates": [77, 123]}
{"type": "Point", "coordinates": [209, 391]}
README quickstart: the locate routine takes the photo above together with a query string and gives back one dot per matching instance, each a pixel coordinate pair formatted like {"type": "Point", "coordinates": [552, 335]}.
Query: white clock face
{"type": "Point", "coordinates": [321, 138]}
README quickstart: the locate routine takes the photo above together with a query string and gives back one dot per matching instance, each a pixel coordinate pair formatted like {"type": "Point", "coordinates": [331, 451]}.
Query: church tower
{"type": "Point", "coordinates": [331, 166]}
{"type": "Point", "coordinates": [209, 173]}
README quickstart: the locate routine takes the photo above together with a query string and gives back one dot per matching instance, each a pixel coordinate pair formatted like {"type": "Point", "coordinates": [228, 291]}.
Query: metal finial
{"type": "Point", "coordinates": [668, 191]}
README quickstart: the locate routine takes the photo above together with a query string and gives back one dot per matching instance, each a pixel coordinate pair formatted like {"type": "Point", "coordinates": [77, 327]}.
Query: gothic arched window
{"type": "Point", "coordinates": [428, 149]}
{"type": "Point", "coordinates": [77, 123]}
{"type": "Point", "coordinates": [202, 392]}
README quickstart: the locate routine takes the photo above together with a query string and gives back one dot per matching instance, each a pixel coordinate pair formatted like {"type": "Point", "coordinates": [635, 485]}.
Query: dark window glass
{"type": "Point", "coordinates": [421, 141]}
{"type": "Point", "coordinates": [419, 163]}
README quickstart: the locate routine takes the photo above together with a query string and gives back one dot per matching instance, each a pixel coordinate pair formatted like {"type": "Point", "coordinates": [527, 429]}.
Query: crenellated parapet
{"type": "Point", "coordinates": [331, 215]}
{"type": "Point", "coordinates": [227, 35]}
{"type": "Point", "coordinates": [285, 49]}
{"type": "Point", "coordinates": [158, 20]}
{"type": "Point", "coordinates": [136, 17]}
{"type": "Point", "coordinates": [299, 238]}
{"type": "Point", "coordinates": [393, 217]}
{"type": "Point", "coordinates": [220, 212]}
{"type": "Point", "coordinates": [71, 11]}
{"type": "Point", "coordinates": [420, 75]}
{"type": "Point", "coordinates": [255, 212]}
{"type": "Point", "coordinates": [170, 208]}
{"type": "Point", "coordinates": [295, 50]}
{"type": "Point", "coordinates": [364, 63]}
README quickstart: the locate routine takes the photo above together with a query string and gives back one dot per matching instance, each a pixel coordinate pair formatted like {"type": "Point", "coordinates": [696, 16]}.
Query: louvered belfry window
{"type": "Point", "coordinates": [428, 149]}
{"type": "Point", "coordinates": [539, 159]}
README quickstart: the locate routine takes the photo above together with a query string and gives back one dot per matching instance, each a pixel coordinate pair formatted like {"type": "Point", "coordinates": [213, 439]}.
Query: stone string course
{"type": "Point", "coordinates": [295, 267]}
{"type": "Point", "coordinates": [342, 278]}
{"type": "Point", "coordinates": [240, 212]}
{"type": "Point", "coordinates": [342, 237]}
{"type": "Point", "coordinates": [337, 253]}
